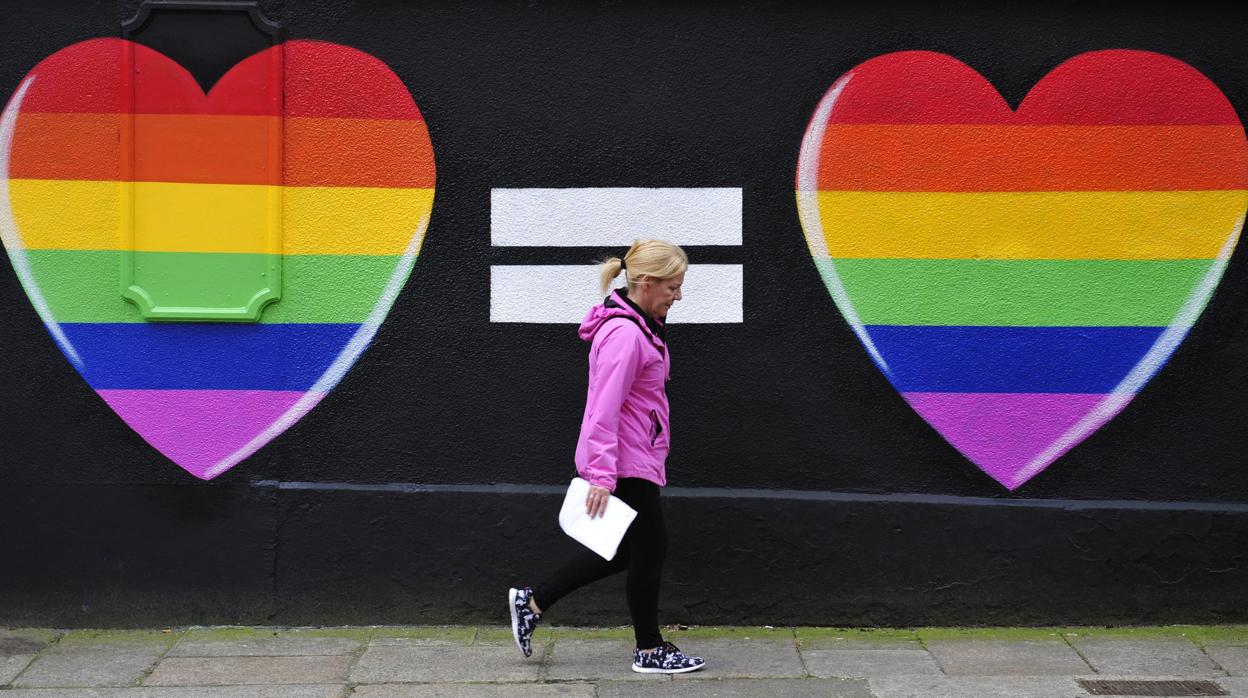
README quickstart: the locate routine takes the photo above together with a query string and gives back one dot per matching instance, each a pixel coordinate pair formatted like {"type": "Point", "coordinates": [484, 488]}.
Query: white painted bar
{"type": "Point", "coordinates": [551, 293]}
{"type": "Point", "coordinates": [614, 217]}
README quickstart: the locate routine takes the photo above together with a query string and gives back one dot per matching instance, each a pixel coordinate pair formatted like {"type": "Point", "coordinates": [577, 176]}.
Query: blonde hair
{"type": "Point", "coordinates": [659, 259]}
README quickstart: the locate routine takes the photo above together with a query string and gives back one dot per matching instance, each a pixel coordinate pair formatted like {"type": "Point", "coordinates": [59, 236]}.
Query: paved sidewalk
{"type": "Point", "coordinates": [399, 662]}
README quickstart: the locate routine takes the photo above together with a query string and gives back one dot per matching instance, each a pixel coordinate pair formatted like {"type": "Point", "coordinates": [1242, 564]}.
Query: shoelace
{"type": "Point", "coordinates": [675, 654]}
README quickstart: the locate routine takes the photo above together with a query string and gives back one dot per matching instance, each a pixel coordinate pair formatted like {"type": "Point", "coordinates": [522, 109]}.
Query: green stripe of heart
{"type": "Point", "coordinates": [85, 285]}
{"type": "Point", "coordinates": [1017, 292]}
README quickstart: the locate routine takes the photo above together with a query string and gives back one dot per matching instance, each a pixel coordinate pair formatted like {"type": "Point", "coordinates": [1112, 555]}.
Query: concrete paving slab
{"type": "Point", "coordinates": [833, 643]}
{"type": "Point", "coordinates": [393, 664]}
{"type": "Point", "coordinates": [88, 665]}
{"type": "Point", "coordinates": [279, 645]}
{"type": "Point", "coordinates": [24, 641]}
{"type": "Point", "coordinates": [583, 632]}
{"type": "Point", "coordinates": [1175, 656]}
{"type": "Point", "coordinates": [12, 665]}
{"type": "Point", "coordinates": [978, 686]}
{"type": "Point", "coordinates": [307, 691]}
{"type": "Point", "coordinates": [1236, 685]}
{"type": "Point", "coordinates": [1232, 658]}
{"type": "Point", "coordinates": [593, 660]}
{"type": "Point", "coordinates": [426, 642]}
{"type": "Point", "coordinates": [475, 690]}
{"type": "Point", "coordinates": [422, 635]}
{"type": "Point", "coordinates": [857, 663]}
{"type": "Point", "coordinates": [228, 671]}
{"type": "Point", "coordinates": [740, 688]}
{"type": "Point", "coordinates": [499, 637]}
{"type": "Point", "coordinates": [854, 639]}
{"type": "Point", "coordinates": [1007, 658]}
{"type": "Point", "coordinates": [744, 659]}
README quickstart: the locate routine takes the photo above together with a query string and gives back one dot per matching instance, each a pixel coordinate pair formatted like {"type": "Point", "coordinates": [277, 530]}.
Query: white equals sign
{"type": "Point", "coordinates": [610, 219]}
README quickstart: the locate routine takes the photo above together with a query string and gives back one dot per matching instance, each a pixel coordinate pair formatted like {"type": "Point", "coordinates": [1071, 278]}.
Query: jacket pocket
{"type": "Point", "coordinates": [656, 428]}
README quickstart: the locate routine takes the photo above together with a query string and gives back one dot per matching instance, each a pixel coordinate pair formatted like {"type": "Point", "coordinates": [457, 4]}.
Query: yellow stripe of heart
{"type": "Point", "coordinates": [173, 217]}
{"type": "Point", "coordinates": [1027, 225]}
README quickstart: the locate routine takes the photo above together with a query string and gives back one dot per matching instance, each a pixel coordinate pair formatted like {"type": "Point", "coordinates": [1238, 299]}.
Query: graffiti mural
{"type": "Point", "coordinates": [209, 211]}
{"type": "Point", "coordinates": [213, 263]}
{"type": "Point", "coordinates": [1019, 275]}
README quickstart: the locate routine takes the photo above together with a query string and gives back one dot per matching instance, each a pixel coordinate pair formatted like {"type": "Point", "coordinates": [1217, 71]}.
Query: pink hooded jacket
{"type": "Point", "coordinates": [625, 430]}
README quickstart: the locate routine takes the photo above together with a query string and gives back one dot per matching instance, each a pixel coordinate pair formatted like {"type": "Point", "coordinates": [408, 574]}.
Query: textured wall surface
{"type": "Point", "coordinates": [1006, 389]}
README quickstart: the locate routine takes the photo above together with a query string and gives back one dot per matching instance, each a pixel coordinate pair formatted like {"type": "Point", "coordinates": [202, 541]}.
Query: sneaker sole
{"type": "Point", "coordinates": [686, 670]}
{"type": "Point", "coordinates": [515, 620]}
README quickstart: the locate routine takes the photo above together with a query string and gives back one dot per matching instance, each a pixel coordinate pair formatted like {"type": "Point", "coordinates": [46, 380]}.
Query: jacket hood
{"type": "Point", "coordinates": [618, 305]}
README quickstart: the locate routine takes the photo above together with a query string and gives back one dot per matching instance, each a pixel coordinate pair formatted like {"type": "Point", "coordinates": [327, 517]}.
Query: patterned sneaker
{"type": "Point", "coordinates": [523, 619]}
{"type": "Point", "coordinates": [665, 659]}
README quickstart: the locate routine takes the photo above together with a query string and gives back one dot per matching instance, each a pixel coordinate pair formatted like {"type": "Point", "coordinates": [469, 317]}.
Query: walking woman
{"type": "Point", "coordinates": [622, 449]}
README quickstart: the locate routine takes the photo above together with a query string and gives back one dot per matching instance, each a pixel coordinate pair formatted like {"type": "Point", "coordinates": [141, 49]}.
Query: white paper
{"type": "Point", "coordinates": [601, 535]}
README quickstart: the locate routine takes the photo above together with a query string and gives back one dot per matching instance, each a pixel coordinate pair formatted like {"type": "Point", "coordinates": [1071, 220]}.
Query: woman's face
{"type": "Point", "coordinates": [658, 295]}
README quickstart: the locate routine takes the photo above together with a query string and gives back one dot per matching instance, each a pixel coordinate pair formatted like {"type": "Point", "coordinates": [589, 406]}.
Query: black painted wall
{"type": "Point", "coordinates": [805, 489]}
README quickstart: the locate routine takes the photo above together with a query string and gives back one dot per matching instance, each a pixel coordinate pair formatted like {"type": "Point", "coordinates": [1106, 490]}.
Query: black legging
{"type": "Point", "coordinates": [641, 553]}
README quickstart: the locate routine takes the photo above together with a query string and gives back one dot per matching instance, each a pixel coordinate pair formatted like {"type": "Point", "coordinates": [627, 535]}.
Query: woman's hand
{"type": "Point", "coordinates": [596, 502]}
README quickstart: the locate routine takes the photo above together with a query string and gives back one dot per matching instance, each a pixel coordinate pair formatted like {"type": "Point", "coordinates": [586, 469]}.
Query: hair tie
{"type": "Point", "coordinates": [622, 267]}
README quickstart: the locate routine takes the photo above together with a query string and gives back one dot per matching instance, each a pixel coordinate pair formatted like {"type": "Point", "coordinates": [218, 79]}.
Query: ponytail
{"type": "Point", "coordinates": [608, 270]}
{"type": "Point", "coordinates": [658, 259]}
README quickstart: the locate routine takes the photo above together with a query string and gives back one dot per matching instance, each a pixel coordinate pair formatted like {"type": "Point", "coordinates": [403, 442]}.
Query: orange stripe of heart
{"type": "Point", "coordinates": [947, 157]}
{"type": "Point", "coordinates": [224, 149]}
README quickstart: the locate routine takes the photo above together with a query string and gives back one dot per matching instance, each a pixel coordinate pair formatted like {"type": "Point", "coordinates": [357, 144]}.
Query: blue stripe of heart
{"type": "Point", "coordinates": [1010, 359]}
{"type": "Point", "coordinates": [207, 356]}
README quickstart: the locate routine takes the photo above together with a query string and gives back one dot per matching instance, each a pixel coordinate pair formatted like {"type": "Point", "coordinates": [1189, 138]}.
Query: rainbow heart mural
{"type": "Point", "coordinates": [1019, 275]}
{"type": "Point", "coordinates": [288, 205]}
